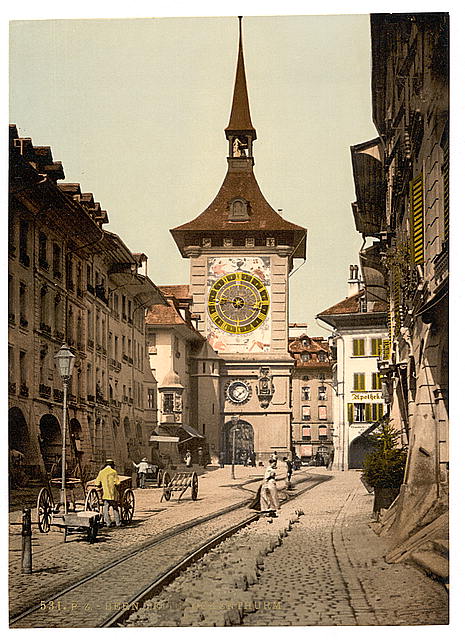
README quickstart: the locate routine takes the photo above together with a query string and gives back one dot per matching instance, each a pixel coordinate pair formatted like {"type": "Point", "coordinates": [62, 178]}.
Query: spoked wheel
{"type": "Point", "coordinates": [194, 486]}
{"type": "Point", "coordinates": [159, 478]}
{"type": "Point", "coordinates": [92, 502]}
{"type": "Point", "coordinates": [166, 489]}
{"type": "Point", "coordinates": [44, 510]}
{"type": "Point", "coordinates": [128, 504]}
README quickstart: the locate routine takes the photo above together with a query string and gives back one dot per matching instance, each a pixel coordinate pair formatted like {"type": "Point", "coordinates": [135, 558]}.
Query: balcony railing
{"type": "Point", "coordinates": [46, 328]}
{"type": "Point", "coordinates": [45, 391]}
{"type": "Point", "coordinates": [24, 390]}
{"type": "Point", "coordinates": [58, 395]}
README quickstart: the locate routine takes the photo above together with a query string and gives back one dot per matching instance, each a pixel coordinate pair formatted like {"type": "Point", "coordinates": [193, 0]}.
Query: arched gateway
{"type": "Point", "coordinates": [243, 440]}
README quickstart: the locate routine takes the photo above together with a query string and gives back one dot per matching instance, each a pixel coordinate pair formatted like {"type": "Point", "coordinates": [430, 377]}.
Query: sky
{"type": "Point", "coordinates": [135, 109]}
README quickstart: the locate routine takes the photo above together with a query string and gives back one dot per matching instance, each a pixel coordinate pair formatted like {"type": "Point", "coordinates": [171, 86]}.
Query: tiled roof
{"type": "Point", "coordinates": [162, 314]}
{"type": "Point", "coordinates": [314, 345]}
{"type": "Point", "coordinates": [352, 305]}
{"type": "Point", "coordinates": [179, 291]}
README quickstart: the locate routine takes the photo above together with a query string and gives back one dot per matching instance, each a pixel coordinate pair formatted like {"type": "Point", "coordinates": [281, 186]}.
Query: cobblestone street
{"type": "Point", "coordinates": [328, 569]}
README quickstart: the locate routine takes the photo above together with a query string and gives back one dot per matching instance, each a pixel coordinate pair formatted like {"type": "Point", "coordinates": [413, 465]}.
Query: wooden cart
{"type": "Point", "coordinates": [126, 498]}
{"type": "Point", "coordinates": [74, 521]}
{"type": "Point", "coordinates": [180, 483]}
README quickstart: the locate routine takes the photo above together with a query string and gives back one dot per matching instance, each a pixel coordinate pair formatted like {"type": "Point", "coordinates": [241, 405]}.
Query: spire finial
{"type": "Point", "coordinates": [240, 121]}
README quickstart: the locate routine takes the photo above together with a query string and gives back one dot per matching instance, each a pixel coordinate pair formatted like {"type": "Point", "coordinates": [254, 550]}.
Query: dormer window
{"type": "Point", "coordinates": [227, 242]}
{"type": "Point", "coordinates": [270, 242]}
{"type": "Point", "coordinates": [250, 242]}
{"type": "Point", "coordinates": [238, 210]}
{"type": "Point", "coordinates": [206, 242]}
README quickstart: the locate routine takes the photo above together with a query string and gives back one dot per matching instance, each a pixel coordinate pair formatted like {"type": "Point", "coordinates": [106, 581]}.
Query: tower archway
{"type": "Point", "coordinates": [18, 433]}
{"type": "Point", "coordinates": [358, 450]}
{"type": "Point", "coordinates": [244, 440]}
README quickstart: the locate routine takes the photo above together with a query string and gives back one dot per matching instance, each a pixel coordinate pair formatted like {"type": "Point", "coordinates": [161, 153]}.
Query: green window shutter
{"type": "Point", "coordinates": [350, 412]}
{"type": "Point", "coordinates": [375, 381]}
{"type": "Point", "coordinates": [362, 382]}
{"type": "Point", "coordinates": [368, 413]}
{"type": "Point", "coordinates": [387, 347]}
{"type": "Point", "coordinates": [376, 345]}
{"type": "Point", "coordinates": [358, 347]}
{"type": "Point", "coordinates": [359, 382]}
{"type": "Point", "coordinates": [417, 222]}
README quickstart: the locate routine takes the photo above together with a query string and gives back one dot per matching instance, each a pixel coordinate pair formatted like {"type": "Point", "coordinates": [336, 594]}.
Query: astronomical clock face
{"type": "Point", "coordinates": [238, 391]}
{"type": "Point", "coordinates": [238, 302]}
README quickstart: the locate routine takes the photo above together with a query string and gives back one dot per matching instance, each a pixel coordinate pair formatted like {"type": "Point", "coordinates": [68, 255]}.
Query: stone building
{"type": "Point", "coordinates": [241, 252]}
{"type": "Point", "coordinates": [402, 188]}
{"type": "Point", "coordinates": [359, 329]}
{"type": "Point", "coordinates": [71, 281]}
{"type": "Point", "coordinates": [312, 399]}
{"type": "Point", "coordinates": [187, 371]}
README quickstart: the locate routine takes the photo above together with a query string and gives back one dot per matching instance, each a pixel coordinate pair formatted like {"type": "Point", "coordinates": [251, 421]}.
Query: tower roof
{"type": "Point", "coordinates": [240, 120]}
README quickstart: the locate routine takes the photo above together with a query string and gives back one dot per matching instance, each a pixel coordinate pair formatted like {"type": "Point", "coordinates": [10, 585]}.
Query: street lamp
{"type": "Point", "coordinates": [64, 360]}
{"type": "Point", "coordinates": [234, 420]}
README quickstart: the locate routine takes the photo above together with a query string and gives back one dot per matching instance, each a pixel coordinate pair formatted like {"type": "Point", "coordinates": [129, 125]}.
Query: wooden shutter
{"type": "Point", "coordinates": [387, 348]}
{"type": "Point", "coordinates": [359, 382]}
{"type": "Point", "coordinates": [417, 222]}
{"type": "Point", "coordinates": [350, 412]}
{"type": "Point", "coordinates": [368, 413]}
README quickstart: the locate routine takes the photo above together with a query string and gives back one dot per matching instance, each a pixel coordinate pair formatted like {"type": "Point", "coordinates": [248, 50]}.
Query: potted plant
{"type": "Point", "coordinates": [384, 466]}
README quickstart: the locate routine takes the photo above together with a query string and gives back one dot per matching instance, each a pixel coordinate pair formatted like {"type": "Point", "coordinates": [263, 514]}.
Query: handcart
{"type": "Point", "coordinates": [126, 498]}
{"type": "Point", "coordinates": [180, 483]}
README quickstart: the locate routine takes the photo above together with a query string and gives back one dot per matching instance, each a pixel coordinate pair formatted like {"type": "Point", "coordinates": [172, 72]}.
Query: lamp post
{"type": "Point", "coordinates": [234, 420]}
{"type": "Point", "coordinates": [64, 360]}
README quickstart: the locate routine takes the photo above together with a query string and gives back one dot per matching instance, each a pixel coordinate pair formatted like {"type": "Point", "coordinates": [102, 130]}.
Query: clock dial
{"type": "Point", "coordinates": [238, 302]}
{"type": "Point", "coordinates": [239, 391]}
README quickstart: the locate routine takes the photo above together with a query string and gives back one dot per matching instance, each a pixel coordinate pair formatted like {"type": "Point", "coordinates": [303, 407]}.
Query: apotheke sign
{"type": "Point", "coordinates": [359, 397]}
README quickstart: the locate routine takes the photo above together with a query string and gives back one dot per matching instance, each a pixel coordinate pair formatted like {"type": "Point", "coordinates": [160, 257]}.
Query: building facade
{"type": "Point", "coordinates": [187, 372]}
{"type": "Point", "coordinates": [402, 187]}
{"type": "Point", "coordinates": [71, 281]}
{"type": "Point", "coordinates": [241, 252]}
{"type": "Point", "coordinates": [312, 399]}
{"type": "Point", "coordinates": [359, 329]}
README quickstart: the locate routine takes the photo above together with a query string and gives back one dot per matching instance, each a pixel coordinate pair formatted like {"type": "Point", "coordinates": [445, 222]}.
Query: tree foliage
{"type": "Point", "coordinates": [384, 466]}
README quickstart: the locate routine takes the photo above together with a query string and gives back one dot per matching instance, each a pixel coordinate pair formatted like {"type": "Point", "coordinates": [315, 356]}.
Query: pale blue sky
{"type": "Point", "coordinates": [135, 110]}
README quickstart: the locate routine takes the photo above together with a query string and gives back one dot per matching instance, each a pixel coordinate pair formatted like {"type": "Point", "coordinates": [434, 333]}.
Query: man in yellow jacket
{"type": "Point", "coordinates": [108, 479]}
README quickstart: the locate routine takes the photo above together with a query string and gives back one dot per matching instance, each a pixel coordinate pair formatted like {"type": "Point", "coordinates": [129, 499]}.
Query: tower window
{"type": "Point", "coordinates": [238, 209]}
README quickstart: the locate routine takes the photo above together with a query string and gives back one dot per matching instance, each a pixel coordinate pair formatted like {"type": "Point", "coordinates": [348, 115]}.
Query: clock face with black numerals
{"type": "Point", "coordinates": [238, 302]}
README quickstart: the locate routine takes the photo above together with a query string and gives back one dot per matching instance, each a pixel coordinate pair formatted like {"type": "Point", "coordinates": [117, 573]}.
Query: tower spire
{"type": "Point", "coordinates": [240, 131]}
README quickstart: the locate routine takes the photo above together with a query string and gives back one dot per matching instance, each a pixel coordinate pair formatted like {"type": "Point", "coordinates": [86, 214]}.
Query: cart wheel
{"type": "Point", "coordinates": [92, 502]}
{"type": "Point", "coordinates": [194, 486]}
{"type": "Point", "coordinates": [165, 484]}
{"type": "Point", "coordinates": [159, 478]}
{"type": "Point", "coordinates": [44, 510]}
{"type": "Point", "coordinates": [93, 530]}
{"type": "Point", "coordinates": [127, 506]}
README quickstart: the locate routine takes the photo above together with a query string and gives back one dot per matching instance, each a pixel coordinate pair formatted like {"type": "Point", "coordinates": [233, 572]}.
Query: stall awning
{"type": "Point", "coordinates": [191, 431]}
{"type": "Point", "coordinates": [164, 439]}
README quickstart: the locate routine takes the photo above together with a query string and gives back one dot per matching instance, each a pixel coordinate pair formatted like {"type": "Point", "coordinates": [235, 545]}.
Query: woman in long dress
{"type": "Point", "coordinates": [269, 501]}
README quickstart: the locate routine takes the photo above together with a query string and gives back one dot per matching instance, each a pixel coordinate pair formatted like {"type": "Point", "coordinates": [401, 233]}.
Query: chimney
{"type": "Point", "coordinates": [354, 282]}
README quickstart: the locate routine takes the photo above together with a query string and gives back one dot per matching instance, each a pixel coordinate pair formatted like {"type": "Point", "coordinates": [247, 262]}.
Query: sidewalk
{"type": "Point", "coordinates": [330, 568]}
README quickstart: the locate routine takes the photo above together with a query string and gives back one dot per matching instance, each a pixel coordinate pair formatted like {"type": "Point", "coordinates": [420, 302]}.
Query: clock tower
{"type": "Point", "coordinates": [241, 253]}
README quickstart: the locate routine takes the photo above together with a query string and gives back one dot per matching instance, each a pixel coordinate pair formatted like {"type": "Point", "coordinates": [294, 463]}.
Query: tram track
{"type": "Point", "coordinates": [101, 598]}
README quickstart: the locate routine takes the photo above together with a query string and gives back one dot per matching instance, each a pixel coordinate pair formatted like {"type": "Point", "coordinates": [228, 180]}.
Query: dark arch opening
{"type": "Point", "coordinates": [244, 441]}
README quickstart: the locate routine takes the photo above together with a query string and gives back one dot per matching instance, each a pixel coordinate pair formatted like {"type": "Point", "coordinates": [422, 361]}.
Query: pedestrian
{"type": "Point", "coordinates": [244, 458]}
{"type": "Point", "coordinates": [108, 479]}
{"type": "Point", "coordinates": [329, 464]}
{"type": "Point", "coordinates": [274, 456]}
{"type": "Point", "coordinates": [253, 458]}
{"type": "Point", "coordinates": [142, 469]}
{"type": "Point", "coordinates": [269, 501]}
{"type": "Point", "coordinates": [221, 459]}
{"type": "Point", "coordinates": [290, 468]}
{"type": "Point", "coordinates": [200, 456]}
{"type": "Point", "coordinates": [188, 458]}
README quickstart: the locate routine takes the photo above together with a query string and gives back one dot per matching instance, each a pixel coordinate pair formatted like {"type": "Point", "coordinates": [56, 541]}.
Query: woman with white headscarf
{"type": "Point", "coordinates": [269, 501]}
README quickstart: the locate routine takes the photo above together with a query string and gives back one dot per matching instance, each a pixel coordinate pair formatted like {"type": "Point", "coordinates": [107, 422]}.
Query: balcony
{"type": "Point", "coordinates": [43, 264]}
{"type": "Point", "coordinates": [24, 390]}
{"type": "Point", "coordinates": [90, 288]}
{"type": "Point", "coordinates": [72, 399]}
{"type": "Point", "coordinates": [45, 391]}
{"type": "Point", "coordinates": [11, 318]}
{"type": "Point", "coordinates": [58, 395]}
{"type": "Point", "coordinates": [125, 358]}
{"type": "Point", "coordinates": [59, 335]}
{"type": "Point", "coordinates": [24, 259]}
{"type": "Point", "coordinates": [90, 343]}
{"type": "Point", "coordinates": [57, 274]}
{"type": "Point", "coordinates": [130, 360]}
{"type": "Point", "coordinates": [82, 400]}
{"type": "Point", "coordinates": [90, 398]}
{"type": "Point", "coordinates": [22, 321]}
{"type": "Point", "coordinates": [45, 328]}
